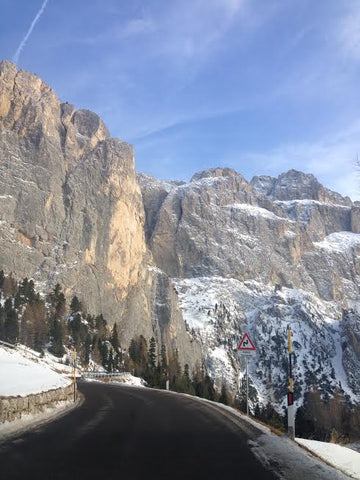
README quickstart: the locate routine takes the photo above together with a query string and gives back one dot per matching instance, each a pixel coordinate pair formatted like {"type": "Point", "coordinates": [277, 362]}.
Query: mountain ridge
{"type": "Point", "coordinates": [147, 252]}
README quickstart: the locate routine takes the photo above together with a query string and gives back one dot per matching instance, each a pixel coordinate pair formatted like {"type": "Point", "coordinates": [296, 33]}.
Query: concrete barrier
{"type": "Point", "coordinates": [13, 408]}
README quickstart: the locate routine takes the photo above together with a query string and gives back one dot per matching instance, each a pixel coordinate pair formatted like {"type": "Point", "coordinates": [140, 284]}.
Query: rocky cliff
{"type": "Point", "coordinates": [196, 264]}
{"type": "Point", "coordinates": [259, 256]}
{"type": "Point", "coordinates": [72, 213]}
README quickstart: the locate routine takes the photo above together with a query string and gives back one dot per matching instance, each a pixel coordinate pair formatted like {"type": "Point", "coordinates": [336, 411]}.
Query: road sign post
{"type": "Point", "coordinates": [247, 349]}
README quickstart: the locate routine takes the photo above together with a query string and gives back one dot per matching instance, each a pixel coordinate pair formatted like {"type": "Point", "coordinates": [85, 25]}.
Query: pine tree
{"type": "Point", "coordinates": [2, 323]}
{"type": "Point", "coordinates": [114, 339]}
{"type": "Point", "coordinates": [8, 305]}
{"type": "Point", "coordinates": [164, 360]}
{"type": "Point", "coordinates": [152, 354]}
{"type": "Point", "coordinates": [75, 305]}
{"type": "Point", "coordinates": [209, 388]}
{"type": "Point", "coordinates": [138, 353]}
{"type": "Point", "coordinates": [11, 326]}
{"type": "Point", "coordinates": [101, 326]}
{"type": "Point", "coordinates": [224, 395]}
{"type": "Point", "coordinates": [57, 347]}
{"type": "Point", "coordinates": [87, 349]}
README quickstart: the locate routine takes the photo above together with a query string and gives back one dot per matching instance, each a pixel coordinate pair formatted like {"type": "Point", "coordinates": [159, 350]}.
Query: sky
{"type": "Point", "coordinates": [261, 86]}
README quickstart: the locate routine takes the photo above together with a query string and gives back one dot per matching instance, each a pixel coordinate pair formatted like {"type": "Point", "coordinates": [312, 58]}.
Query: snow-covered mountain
{"type": "Point", "coordinates": [260, 257]}
{"type": "Point", "coordinates": [242, 256]}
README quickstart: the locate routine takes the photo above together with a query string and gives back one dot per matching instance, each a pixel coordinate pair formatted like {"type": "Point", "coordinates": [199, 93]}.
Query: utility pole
{"type": "Point", "coordinates": [290, 396]}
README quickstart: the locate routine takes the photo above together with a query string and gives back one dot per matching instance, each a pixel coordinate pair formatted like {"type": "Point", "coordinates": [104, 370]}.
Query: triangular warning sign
{"type": "Point", "coordinates": [246, 344]}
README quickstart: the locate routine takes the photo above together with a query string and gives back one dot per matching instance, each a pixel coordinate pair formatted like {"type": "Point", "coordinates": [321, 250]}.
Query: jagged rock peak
{"type": "Point", "coordinates": [296, 185]}
{"type": "Point", "coordinates": [30, 108]}
{"type": "Point", "coordinates": [215, 172]}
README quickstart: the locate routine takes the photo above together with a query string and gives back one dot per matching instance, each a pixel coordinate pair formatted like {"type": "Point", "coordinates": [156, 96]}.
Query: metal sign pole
{"type": "Point", "coordinates": [247, 388]}
{"type": "Point", "coordinates": [246, 348]}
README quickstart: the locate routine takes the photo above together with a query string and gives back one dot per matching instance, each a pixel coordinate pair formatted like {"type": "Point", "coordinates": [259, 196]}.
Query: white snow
{"type": "Point", "coordinates": [339, 242]}
{"type": "Point", "coordinates": [123, 378]}
{"type": "Point", "coordinates": [346, 460]}
{"type": "Point", "coordinates": [254, 211]}
{"type": "Point", "coordinates": [289, 460]}
{"type": "Point", "coordinates": [21, 375]}
{"type": "Point", "coordinates": [307, 202]}
{"type": "Point", "coordinates": [219, 310]}
{"type": "Point", "coordinates": [126, 378]}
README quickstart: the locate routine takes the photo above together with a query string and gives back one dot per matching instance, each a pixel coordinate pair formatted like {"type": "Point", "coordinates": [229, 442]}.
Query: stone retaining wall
{"type": "Point", "coordinates": [12, 408]}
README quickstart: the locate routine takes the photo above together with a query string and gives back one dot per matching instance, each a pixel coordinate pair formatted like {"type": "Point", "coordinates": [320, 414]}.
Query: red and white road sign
{"type": "Point", "coordinates": [246, 346]}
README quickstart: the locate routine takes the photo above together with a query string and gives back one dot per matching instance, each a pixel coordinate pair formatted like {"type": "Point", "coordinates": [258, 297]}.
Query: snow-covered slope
{"type": "Point", "coordinates": [23, 372]}
{"type": "Point", "coordinates": [258, 257]}
{"type": "Point", "coordinates": [219, 310]}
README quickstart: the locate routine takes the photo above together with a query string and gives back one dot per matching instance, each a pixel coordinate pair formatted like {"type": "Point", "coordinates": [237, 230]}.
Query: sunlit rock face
{"type": "Point", "coordinates": [72, 212]}
{"type": "Point", "coordinates": [195, 264]}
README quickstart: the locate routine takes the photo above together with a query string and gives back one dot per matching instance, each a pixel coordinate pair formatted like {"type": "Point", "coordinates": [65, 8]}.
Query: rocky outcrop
{"type": "Point", "coordinates": [71, 210]}
{"type": "Point", "coordinates": [257, 257]}
{"type": "Point", "coordinates": [12, 408]}
{"type": "Point", "coordinates": [294, 185]}
{"type": "Point", "coordinates": [266, 230]}
{"type": "Point", "coordinates": [154, 193]}
{"type": "Point", "coordinates": [71, 206]}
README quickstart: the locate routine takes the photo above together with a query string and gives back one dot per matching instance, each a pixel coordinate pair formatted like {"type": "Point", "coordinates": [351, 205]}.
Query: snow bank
{"type": "Point", "coordinates": [23, 376]}
{"type": "Point", "coordinates": [344, 459]}
{"type": "Point", "coordinates": [123, 378]}
{"type": "Point", "coordinates": [127, 379]}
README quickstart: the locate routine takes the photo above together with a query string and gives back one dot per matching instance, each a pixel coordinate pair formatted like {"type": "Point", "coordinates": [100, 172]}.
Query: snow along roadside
{"type": "Point", "coordinates": [345, 459]}
{"type": "Point", "coordinates": [24, 373]}
{"type": "Point", "coordinates": [285, 458]}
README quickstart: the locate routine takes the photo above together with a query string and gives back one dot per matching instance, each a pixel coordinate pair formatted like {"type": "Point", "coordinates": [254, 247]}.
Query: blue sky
{"type": "Point", "coordinates": [258, 85]}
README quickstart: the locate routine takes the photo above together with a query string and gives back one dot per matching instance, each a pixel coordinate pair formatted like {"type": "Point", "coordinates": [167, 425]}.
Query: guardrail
{"type": "Point", "coordinates": [101, 374]}
{"type": "Point", "coordinates": [7, 344]}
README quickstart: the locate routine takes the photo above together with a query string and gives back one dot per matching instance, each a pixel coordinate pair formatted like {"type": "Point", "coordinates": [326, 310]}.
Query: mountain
{"type": "Point", "coordinates": [72, 213]}
{"type": "Point", "coordinates": [196, 264]}
{"type": "Point", "coordinates": [260, 256]}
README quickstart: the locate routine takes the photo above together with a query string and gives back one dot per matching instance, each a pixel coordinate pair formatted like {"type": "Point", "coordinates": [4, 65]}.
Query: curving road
{"type": "Point", "coordinates": [129, 433]}
{"type": "Point", "coordinates": [132, 433]}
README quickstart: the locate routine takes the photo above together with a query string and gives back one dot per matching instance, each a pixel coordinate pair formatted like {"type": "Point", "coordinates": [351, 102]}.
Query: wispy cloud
{"type": "Point", "coordinates": [29, 32]}
{"type": "Point", "coordinates": [193, 28]}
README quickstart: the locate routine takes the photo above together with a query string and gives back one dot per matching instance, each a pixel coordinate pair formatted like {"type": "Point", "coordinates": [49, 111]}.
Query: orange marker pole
{"type": "Point", "coordinates": [74, 373]}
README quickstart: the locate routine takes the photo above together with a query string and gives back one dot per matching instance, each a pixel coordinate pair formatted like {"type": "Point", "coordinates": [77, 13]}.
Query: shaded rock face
{"type": "Point", "coordinates": [71, 211]}
{"type": "Point", "coordinates": [266, 230]}
{"type": "Point", "coordinates": [294, 185]}
{"type": "Point", "coordinates": [257, 257]}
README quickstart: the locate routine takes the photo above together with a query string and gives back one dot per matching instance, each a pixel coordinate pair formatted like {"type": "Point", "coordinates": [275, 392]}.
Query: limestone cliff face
{"type": "Point", "coordinates": [71, 211]}
{"type": "Point", "coordinates": [69, 194]}
{"type": "Point", "coordinates": [258, 257]}
{"type": "Point", "coordinates": [268, 230]}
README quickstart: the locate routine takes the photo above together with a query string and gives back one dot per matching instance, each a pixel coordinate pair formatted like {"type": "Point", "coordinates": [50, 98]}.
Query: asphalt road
{"type": "Point", "coordinates": [129, 433]}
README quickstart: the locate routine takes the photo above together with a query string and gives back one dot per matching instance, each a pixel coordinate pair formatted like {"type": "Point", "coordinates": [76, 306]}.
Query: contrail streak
{"type": "Point", "coordinates": [29, 32]}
